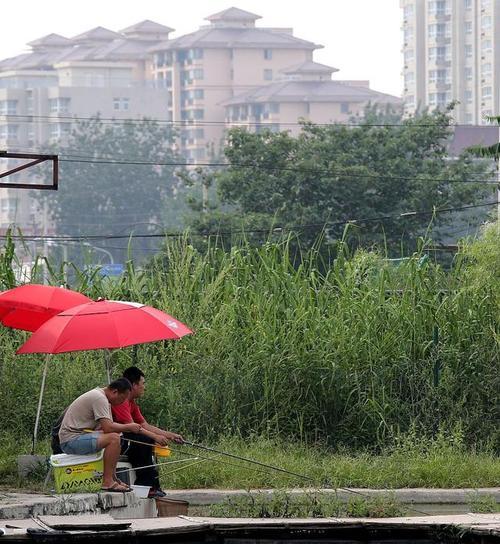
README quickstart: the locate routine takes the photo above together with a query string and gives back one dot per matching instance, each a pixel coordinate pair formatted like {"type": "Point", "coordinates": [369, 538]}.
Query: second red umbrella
{"type": "Point", "coordinates": [105, 324]}
{"type": "Point", "coordinates": [28, 306]}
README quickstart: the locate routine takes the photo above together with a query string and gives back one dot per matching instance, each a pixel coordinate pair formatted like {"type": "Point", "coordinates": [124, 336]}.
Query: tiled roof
{"type": "Point", "coordinates": [309, 67]}
{"type": "Point", "coordinates": [236, 37]}
{"type": "Point", "coordinates": [121, 49]}
{"type": "Point", "coordinates": [97, 34]}
{"type": "Point", "coordinates": [147, 26]}
{"type": "Point", "coordinates": [310, 91]}
{"type": "Point", "coordinates": [233, 14]}
{"type": "Point", "coordinates": [51, 40]}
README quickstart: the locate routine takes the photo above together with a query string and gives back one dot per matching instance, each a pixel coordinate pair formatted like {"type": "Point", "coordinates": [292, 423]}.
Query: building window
{"type": "Point", "coordinates": [274, 107]}
{"type": "Point", "coordinates": [8, 107]}
{"type": "Point", "coordinates": [468, 118]}
{"type": "Point", "coordinates": [196, 53]}
{"type": "Point", "coordinates": [468, 4]}
{"type": "Point", "coordinates": [468, 73]}
{"type": "Point", "coordinates": [438, 99]}
{"type": "Point", "coordinates": [409, 78]}
{"type": "Point", "coordinates": [59, 105]}
{"type": "Point", "coordinates": [409, 55]}
{"type": "Point", "coordinates": [468, 50]}
{"type": "Point", "coordinates": [439, 54]}
{"type": "Point", "coordinates": [59, 130]}
{"type": "Point", "coordinates": [486, 69]}
{"type": "Point", "coordinates": [199, 94]}
{"type": "Point", "coordinates": [198, 114]}
{"type": "Point", "coordinates": [121, 104]}
{"type": "Point", "coordinates": [468, 27]}
{"type": "Point", "coordinates": [410, 100]}
{"type": "Point", "coordinates": [485, 22]}
{"type": "Point", "coordinates": [468, 96]}
{"type": "Point", "coordinates": [159, 59]}
{"type": "Point", "coordinates": [439, 76]}
{"type": "Point", "coordinates": [486, 92]}
{"type": "Point", "coordinates": [268, 74]}
{"type": "Point", "coordinates": [268, 54]}
{"type": "Point", "coordinates": [408, 11]}
{"type": "Point", "coordinates": [439, 7]}
{"type": "Point", "coordinates": [197, 73]}
{"type": "Point", "coordinates": [8, 132]}
{"type": "Point", "coordinates": [344, 107]}
{"type": "Point", "coordinates": [408, 34]}
{"type": "Point", "coordinates": [439, 30]}
{"type": "Point", "coordinates": [486, 46]}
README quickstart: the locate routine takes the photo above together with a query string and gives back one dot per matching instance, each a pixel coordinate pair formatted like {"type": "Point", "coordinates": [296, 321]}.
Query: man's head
{"type": "Point", "coordinates": [136, 377]}
{"type": "Point", "coordinates": [118, 391]}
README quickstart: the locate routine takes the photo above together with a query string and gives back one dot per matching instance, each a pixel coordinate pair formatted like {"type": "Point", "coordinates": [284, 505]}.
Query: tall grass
{"type": "Point", "coordinates": [352, 354]}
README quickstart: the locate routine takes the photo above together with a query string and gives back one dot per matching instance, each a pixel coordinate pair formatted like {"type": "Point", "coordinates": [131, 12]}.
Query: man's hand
{"type": "Point", "coordinates": [161, 439]}
{"type": "Point", "coordinates": [134, 428]}
{"type": "Point", "coordinates": [173, 437]}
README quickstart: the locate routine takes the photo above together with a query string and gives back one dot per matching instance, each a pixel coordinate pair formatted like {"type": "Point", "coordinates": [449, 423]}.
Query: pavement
{"type": "Point", "coordinates": [26, 505]}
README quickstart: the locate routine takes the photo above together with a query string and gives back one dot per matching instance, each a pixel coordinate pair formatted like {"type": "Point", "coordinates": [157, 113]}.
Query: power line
{"type": "Point", "coordinates": [90, 160]}
{"type": "Point", "coordinates": [199, 122]}
{"type": "Point", "coordinates": [325, 224]}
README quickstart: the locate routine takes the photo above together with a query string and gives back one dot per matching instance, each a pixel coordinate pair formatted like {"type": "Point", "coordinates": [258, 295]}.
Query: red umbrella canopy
{"type": "Point", "coordinates": [29, 306]}
{"type": "Point", "coordinates": [105, 324]}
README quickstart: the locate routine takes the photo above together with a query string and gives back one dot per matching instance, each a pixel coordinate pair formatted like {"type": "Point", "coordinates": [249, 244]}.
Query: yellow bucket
{"type": "Point", "coordinates": [162, 451]}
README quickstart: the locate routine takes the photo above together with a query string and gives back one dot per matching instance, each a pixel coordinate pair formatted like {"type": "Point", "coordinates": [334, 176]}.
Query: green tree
{"type": "Point", "coordinates": [114, 178]}
{"type": "Point", "coordinates": [335, 174]}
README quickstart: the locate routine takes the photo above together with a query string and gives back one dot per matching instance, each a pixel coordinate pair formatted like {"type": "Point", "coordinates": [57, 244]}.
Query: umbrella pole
{"type": "Point", "coordinates": [108, 365]}
{"type": "Point", "coordinates": [39, 409]}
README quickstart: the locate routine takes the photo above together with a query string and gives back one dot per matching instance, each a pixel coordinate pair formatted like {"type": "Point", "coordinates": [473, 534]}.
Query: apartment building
{"type": "Point", "coordinates": [227, 57]}
{"type": "Point", "coordinates": [97, 72]}
{"type": "Point", "coordinates": [307, 92]}
{"type": "Point", "coordinates": [451, 51]}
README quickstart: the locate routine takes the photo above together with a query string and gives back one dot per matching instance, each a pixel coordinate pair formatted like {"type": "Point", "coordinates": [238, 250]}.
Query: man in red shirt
{"type": "Point", "coordinates": [141, 455]}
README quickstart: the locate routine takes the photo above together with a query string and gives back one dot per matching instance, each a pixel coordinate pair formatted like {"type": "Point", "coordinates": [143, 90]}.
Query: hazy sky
{"type": "Point", "coordinates": [360, 37]}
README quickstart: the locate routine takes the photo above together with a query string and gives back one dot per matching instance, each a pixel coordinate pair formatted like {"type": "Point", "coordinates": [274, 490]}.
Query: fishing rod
{"type": "Point", "coordinates": [192, 456]}
{"type": "Point", "coordinates": [247, 460]}
{"type": "Point", "coordinates": [264, 465]}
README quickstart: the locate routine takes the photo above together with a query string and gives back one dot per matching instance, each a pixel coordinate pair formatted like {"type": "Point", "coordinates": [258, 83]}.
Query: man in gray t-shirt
{"type": "Point", "coordinates": [92, 411]}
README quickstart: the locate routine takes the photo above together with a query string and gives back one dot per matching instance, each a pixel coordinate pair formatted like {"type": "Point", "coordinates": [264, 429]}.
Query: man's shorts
{"type": "Point", "coordinates": [83, 444]}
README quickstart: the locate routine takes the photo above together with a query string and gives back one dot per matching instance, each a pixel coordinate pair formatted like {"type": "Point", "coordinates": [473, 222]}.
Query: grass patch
{"type": "Point", "coordinates": [282, 504]}
{"type": "Point", "coordinates": [408, 463]}
{"type": "Point", "coordinates": [433, 464]}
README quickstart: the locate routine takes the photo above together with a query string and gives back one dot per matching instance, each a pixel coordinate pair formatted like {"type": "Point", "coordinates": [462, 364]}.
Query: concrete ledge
{"type": "Point", "coordinates": [25, 505]}
{"type": "Point", "coordinates": [406, 496]}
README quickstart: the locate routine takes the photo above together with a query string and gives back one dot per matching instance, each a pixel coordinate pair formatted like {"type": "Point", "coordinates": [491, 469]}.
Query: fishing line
{"type": "Point", "coordinates": [120, 470]}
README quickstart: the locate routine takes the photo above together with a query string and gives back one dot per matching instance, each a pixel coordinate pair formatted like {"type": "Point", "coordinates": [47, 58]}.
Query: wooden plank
{"type": "Point", "coordinates": [98, 522]}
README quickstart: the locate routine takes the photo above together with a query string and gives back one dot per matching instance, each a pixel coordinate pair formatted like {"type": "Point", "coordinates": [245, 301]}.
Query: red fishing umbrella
{"type": "Point", "coordinates": [105, 324]}
{"type": "Point", "coordinates": [29, 306]}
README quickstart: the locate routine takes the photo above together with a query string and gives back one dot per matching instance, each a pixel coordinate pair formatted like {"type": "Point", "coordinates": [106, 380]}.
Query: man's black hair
{"type": "Point", "coordinates": [121, 385]}
{"type": "Point", "coordinates": [133, 374]}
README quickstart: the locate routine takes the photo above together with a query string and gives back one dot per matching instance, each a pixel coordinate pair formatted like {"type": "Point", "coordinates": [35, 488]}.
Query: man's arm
{"type": "Point", "coordinates": [109, 426]}
{"type": "Point", "coordinates": [167, 435]}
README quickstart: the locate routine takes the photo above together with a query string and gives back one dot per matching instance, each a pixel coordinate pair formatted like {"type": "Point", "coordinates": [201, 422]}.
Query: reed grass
{"type": "Point", "coordinates": [346, 355]}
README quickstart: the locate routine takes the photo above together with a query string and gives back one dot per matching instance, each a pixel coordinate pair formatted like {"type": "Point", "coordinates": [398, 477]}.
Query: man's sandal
{"type": "Point", "coordinates": [116, 488]}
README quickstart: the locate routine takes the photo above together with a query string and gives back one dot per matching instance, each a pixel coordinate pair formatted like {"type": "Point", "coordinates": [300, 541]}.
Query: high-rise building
{"type": "Point", "coordinates": [451, 52]}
